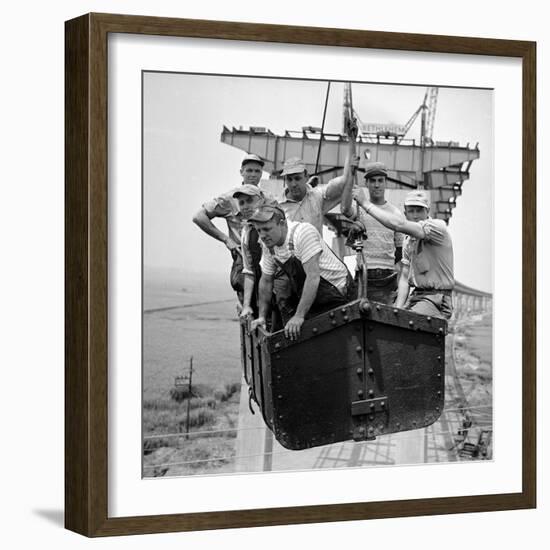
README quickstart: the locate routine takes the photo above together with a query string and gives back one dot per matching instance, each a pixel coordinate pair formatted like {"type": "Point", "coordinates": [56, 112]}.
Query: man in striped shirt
{"type": "Point", "coordinates": [427, 255]}
{"type": "Point", "coordinates": [319, 281]}
{"type": "Point", "coordinates": [383, 246]}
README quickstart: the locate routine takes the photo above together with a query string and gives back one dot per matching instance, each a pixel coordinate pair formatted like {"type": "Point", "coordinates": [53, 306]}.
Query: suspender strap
{"type": "Point", "coordinates": [291, 239]}
{"type": "Point", "coordinates": [291, 249]}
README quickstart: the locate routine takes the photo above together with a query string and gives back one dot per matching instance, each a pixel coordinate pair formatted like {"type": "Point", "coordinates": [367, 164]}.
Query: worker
{"type": "Point", "coordinates": [318, 279]}
{"type": "Point", "coordinates": [304, 203]}
{"type": "Point", "coordinates": [427, 278]}
{"type": "Point", "coordinates": [225, 206]}
{"type": "Point", "coordinates": [382, 249]}
{"type": "Point", "coordinates": [249, 198]}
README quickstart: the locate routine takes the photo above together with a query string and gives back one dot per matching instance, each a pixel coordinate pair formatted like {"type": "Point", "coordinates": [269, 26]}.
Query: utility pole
{"type": "Point", "coordinates": [189, 393]}
{"type": "Point", "coordinates": [179, 384]}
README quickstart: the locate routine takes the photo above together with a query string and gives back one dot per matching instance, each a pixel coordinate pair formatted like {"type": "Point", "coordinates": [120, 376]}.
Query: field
{"type": "Point", "coordinates": [473, 353]}
{"type": "Point", "coordinates": [192, 316]}
{"type": "Point", "coordinates": [188, 316]}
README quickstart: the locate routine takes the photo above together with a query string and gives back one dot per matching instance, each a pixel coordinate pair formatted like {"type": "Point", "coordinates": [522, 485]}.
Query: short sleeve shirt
{"type": "Point", "coordinates": [225, 206]}
{"type": "Point", "coordinates": [431, 258]}
{"type": "Point", "coordinates": [307, 243]}
{"type": "Point", "coordinates": [311, 208]}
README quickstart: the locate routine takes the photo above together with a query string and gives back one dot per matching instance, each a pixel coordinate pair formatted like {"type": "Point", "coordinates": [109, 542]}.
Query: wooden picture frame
{"type": "Point", "coordinates": [86, 295]}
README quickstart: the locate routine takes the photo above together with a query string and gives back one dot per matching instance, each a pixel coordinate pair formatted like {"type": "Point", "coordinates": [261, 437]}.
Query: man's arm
{"type": "Point", "coordinates": [247, 297]}
{"type": "Point", "coordinates": [349, 172]}
{"type": "Point", "coordinates": [248, 272]}
{"type": "Point", "coordinates": [403, 286]}
{"type": "Point", "coordinates": [204, 221]}
{"type": "Point", "coordinates": [309, 293]}
{"type": "Point", "coordinates": [335, 187]}
{"type": "Point", "coordinates": [393, 220]}
{"type": "Point", "coordinates": [265, 289]}
{"type": "Point", "coordinates": [346, 206]}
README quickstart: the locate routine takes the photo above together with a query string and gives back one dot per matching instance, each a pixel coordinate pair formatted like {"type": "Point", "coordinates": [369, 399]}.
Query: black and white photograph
{"type": "Point", "coordinates": [317, 274]}
{"type": "Point", "coordinates": [274, 274]}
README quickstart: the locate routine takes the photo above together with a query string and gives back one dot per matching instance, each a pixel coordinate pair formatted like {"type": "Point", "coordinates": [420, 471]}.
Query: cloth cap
{"type": "Point", "coordinates": [265, 212]}
{"type": "Point", "coordinates": [375, 169]}
{"type": "Point", "coordinates": [417, 198]}
{"type": "Point", "coordinates": [293, 165]}
{"type": "Point", "coordinates": [248, 189]}
{"type": "Point", "coordinates": [252, 158]}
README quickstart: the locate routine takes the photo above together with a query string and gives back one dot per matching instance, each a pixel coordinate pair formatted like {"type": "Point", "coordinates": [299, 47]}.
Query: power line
{"type": "Point", "coordinates": [233, 430]}
{"type": "Point", "coordinates": [183, 306]}
{"type": "Point", "coordinates": [362, 443]}
{"type": "Point", "coordinates": [180, 434]}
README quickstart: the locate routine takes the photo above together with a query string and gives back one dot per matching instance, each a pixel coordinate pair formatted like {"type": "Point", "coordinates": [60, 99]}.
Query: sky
{"type": "Point", "coordinates": [185, 164]}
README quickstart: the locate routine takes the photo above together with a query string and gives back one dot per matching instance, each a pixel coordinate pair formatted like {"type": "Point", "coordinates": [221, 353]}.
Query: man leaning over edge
{"type": "Point", "coordinates": [318, 279]}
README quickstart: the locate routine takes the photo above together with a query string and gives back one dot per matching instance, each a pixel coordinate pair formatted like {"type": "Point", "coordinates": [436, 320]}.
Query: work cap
{"type": "Point", "coordinates": [375, 169]}
{"type": "Point", "coordinates": [252, 158]}
{"type": "Point", "coordinates": [417, 198]}
{"type": "Point", "coordinates": [265, 212]}
{"type": "Point", "coordinates": [293, 165]}
{"type": "Point", "coordinates": [248, 189]}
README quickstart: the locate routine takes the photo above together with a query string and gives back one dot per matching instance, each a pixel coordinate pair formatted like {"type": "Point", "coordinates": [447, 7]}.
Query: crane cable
{"type": "Point", "coordinates": [322, 129]}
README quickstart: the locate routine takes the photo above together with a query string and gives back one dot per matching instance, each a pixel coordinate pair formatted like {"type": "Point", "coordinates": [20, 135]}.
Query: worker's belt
{"type": "Point", "coordinates": [446, 291]}
{"type": "Point", "coordinates": [379, 273]}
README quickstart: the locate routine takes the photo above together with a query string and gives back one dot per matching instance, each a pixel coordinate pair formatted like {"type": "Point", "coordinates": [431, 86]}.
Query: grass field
{"type": "Point", "coordinates": [189, 316]}
{"type": "Point", "coordinates": [209, 416]}
{"type": "Point", "coordinates": [474, 368]}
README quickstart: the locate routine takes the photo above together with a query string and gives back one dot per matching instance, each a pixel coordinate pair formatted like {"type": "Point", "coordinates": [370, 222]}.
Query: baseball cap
{"type": "Point", "coordinates": [375, 169]}
{"type": "Point", "coordinates": [417, 198]}
{"type": "Point", "coordinates": [248, 189]}
{"type": "Point", "coordinates": [293, 165]}
{"type": "Point", "coordinates": [265, 212]}
{"type": "Point", "coordinates": [252, 158]}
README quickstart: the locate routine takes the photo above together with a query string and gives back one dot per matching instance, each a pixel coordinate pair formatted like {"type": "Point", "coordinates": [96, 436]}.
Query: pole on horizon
{"type": "Point", "coordinates": [189, 393]}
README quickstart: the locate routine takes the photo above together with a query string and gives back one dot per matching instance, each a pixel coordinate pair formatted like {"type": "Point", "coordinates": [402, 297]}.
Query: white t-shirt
{"type": "Point", "coordinates": [307, 243]}
{"type": "Point", "coordinates": [379, 248]}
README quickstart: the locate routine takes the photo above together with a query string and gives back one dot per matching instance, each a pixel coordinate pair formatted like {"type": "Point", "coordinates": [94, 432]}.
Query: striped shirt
{"type": "Point", "coordinates": [431, 258]}
{"type": "Point", "coordinates": [379, 248]}
{"type": "Point", "coordinates": [307, 243]}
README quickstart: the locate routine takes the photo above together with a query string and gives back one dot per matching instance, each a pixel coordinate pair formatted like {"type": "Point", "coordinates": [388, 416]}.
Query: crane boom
{"type": "Point", "coordinates": [430, 102]}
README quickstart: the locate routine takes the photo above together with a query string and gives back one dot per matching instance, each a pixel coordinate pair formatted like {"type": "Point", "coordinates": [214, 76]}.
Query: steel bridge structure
{"type": "Point", "coordinates": [439, 167]}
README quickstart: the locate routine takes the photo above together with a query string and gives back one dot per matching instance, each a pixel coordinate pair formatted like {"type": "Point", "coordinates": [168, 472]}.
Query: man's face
{"type": "Point", "coordinates": [251, 173]}
{"type": "Point", "coordinates": [377, 187]}
{"type": "Point", "coordinates": [416, 213]}
{"type": "Point", "coordinates": [296, 185]}
{"type": "Point", "coordinates": [271, 232]}
{"type": "Point", "coordinates": [247, 204]}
